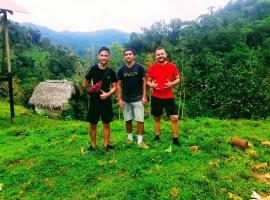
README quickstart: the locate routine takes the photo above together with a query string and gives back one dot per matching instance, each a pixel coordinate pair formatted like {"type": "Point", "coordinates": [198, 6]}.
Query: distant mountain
{"type": "Point", "coordinates": [80, 41]}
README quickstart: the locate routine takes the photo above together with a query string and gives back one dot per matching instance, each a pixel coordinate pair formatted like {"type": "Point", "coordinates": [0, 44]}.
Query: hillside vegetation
{"type": "Point", "coordinates": [40, 158]}
{"type": "Point", "coordinates": [223, 59]}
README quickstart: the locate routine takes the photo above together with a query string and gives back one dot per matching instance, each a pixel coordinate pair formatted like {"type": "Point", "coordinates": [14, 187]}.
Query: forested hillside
{"type": "Point", "coordinates": [223, 57]}
{"type": "Point", "coordinates": [35, 59]}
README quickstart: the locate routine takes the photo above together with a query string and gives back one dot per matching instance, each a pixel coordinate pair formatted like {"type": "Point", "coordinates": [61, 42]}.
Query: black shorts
{"type": "Point", "coordinates": [157, 106]}
{"type": "Point", "coordinates": [99, 109]}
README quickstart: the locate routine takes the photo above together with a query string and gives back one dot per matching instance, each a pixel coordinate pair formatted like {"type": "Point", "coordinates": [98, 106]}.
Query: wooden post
{"type": "Point", "coordinates": [11, 101]}
{"type": "Point", "coordinates": [7, 55]}
{"type": "Point", "coordinates": [3, 45]}
{"type": "Point", "coordinates": [5, 26]}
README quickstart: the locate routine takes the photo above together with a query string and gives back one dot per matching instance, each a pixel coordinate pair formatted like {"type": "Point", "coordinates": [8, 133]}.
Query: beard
{"type": "Point", "coordinates": [161, 61]}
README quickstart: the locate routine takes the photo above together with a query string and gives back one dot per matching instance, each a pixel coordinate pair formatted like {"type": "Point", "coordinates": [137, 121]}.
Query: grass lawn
{"type": "Point", "coordinates": [40, 158]}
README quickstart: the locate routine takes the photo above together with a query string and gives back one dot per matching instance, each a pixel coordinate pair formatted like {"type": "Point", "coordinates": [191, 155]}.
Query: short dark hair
{"type": "Point", "coordinates": [129, 49]}
{"type": "Point", "coordinates": [104, 49]}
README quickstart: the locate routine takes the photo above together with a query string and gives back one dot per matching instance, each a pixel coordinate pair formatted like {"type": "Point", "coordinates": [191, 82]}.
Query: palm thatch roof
{"type": "Point", "coordinates": [52, 94]}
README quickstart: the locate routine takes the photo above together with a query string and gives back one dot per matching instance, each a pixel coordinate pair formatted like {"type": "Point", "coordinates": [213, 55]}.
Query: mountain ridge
{"type": "Point", "coordinates": [79, 42]}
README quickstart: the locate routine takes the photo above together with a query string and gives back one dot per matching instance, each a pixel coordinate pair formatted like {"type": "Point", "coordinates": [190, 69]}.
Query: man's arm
{"type": "Point", "coordinates": [113, 89]}
{"type": "Point", "coordinates": [86, 83]}
{"type": "Point", "coordinates": [105, 95]}
{"type": "Point", "coordinates": [149, 81]}
{"type": "Point", "coordinates": [119, 94]}
{"type": "Point", "coordinates": [144, 97]}
{"type": "Point", "coordinates": [152, 83]}
{"type": "Point", "coordinates": [175, 82]}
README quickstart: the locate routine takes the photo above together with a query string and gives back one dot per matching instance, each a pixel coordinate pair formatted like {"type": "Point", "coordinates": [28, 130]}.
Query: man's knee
{"type": "Point", "coordinates": [129, 122]}
{"type": "Point", "coordinates": [93, 126]}
{"type": "Point", "coordinates": [157, 119]}
{"type": "Point", "coordinates": [106, 125]}
{"type": "Point", "coordinates": [174, 118]}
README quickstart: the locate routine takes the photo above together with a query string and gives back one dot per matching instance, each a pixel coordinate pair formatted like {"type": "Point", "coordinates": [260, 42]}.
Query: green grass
{"type": "Point", "coordinates": [40, 158]}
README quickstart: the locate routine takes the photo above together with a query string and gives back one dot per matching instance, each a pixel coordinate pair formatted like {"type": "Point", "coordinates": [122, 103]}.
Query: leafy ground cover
{"type": "Point", "coordinates": [40, 158]}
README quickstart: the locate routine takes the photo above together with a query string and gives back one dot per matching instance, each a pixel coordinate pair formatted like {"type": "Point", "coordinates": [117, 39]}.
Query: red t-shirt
{"type": "Point", "coordinates": [161, 74]}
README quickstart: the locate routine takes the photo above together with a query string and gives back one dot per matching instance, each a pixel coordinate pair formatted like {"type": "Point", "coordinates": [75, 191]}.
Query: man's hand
{"type": "Point", "coordinates": [154, 85]}
{"type": "Point", "coordinates": [144, 100]}
{"type": "Point", "coordinates": [104, 95]}
{"type": "Point", "coordinates": [121, 103]}
{"type": "Point", "coordinates": [168, 84]}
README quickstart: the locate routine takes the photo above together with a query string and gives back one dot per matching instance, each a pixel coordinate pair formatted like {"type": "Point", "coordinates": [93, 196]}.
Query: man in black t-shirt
{"type": "Point", "coordinates": [100, 105]}
{"type": "Point", "coordinates": [131, 93]}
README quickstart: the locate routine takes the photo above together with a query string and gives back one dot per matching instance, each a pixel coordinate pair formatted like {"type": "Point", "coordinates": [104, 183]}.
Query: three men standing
{"type": "Point", "coordinates": [131, 94]}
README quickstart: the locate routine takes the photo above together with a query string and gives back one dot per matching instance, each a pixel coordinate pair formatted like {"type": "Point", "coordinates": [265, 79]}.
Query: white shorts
{"type": "Point", "coordinates": [133, 110]}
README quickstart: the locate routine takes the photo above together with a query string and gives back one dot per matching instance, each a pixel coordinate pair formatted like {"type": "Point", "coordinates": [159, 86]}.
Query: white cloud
{"type": "Point", "coordinates": [91, 15]}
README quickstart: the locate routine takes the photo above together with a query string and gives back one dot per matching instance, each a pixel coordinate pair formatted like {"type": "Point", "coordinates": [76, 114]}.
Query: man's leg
{"type": "Point", "coordinates": [140, 129]}
{"type": "Point", "coordinates": [106, 118]}
{"type": "Point", "coordinates": [171, 111]}
{"type": "Point", "coordinates": [174, 123]}
{"type": "Point", "coordinates": [93, 118]}
{"type": "Point", "coordinates": [128, 116]}
{"type": "Point", "coordinates": [157, 106]}
{"type": "Point", "coordinates": [138, 110]}
{"type": "Point", "coordinates": [106, 133]}
{"type": "Point", "coordinates": [93, 134]}
{"type": "Point", "coordinates": [157, 127]}
{"type": "Point", "coordinates": [129, 130]}
{"type": "Point", "coordinates": [140, 126]}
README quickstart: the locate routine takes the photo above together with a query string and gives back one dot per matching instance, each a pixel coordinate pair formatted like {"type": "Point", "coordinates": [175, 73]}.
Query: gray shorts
{"type": "Point", "coordinates": [133, 110]}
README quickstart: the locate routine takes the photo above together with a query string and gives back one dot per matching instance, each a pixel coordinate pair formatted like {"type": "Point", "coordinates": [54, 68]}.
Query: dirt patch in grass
{"type": "Point", "coordinates": [29, 163]}
{"type": "Point", "coordinates": [264, 197]}
{"type": "Point", "coordinates": [263, 177]}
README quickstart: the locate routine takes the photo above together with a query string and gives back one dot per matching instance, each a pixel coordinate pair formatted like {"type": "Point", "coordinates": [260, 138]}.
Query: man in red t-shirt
{"type": "Point", "coordinates": [162, 76]}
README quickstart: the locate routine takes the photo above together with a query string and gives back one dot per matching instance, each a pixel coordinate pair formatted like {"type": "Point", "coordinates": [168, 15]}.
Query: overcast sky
{"type": "Point", "coordinates": [92, 15]}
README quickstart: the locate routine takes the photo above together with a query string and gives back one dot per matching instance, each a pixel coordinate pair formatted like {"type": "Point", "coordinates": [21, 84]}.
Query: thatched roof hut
{"type": "Point", "coordinates": [52, 95]}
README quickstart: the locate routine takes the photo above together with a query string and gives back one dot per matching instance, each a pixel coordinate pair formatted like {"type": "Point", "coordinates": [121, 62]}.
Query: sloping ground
{"type": "Point", "coordinates": [40, 158]}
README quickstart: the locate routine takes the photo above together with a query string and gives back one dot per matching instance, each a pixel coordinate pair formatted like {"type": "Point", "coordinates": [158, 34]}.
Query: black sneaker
{"type": "Point", "coordinates": [156, 139]}
{"type": "Point", "coordinates": [89, 150]}
{"type": "Point", "coordinates": [109, 148]}
{"type": "Point", "coordinates": [176, 142]}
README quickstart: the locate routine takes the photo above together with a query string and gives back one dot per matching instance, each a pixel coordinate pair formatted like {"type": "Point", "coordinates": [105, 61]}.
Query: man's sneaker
{"type": "Point", "coordinates": [128, 142]}
{"type": "Point", "coordinates": [143, 145]}
{"type": "Point", "coordinates": [109, 148]}
{"type": "Point", "coordinates": [176, 142]}
{"type": "Point", "coordinates": [88, 150]}
{"type": "Point", "coordinates": [156, 138]}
